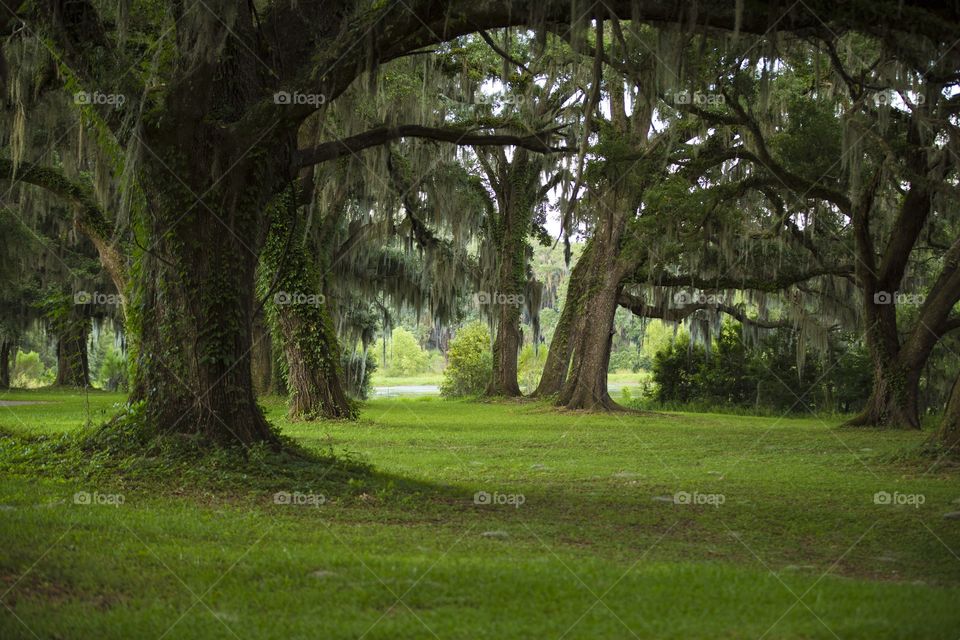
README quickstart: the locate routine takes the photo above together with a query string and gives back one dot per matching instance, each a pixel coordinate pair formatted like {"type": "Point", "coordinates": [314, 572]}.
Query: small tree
{"type": "Point", "coordinates": [471, 362]}
{"type": "Point", "coordinates": [405, 357]}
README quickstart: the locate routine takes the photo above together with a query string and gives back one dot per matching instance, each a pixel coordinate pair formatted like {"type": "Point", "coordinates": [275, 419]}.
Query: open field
{"type": "Point", "coordinates": [782, 537]}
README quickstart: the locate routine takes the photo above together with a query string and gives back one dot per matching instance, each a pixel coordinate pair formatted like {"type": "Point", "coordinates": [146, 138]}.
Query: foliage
{"type": "Point", "coordinates": [29, 372]}
{"type": "Point", "coordinates": [470, 362]}
{"type": "Point", "coordinates": [404, 356]}
{"type": "Point", "coordinates": [765, 378]}
{"type": "Point", "coordinates": [113, 373]}
{"type": "Point", "coordinates": [530, 367]}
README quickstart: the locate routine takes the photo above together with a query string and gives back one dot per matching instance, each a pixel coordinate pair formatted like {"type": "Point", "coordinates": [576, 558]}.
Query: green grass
{"type": "Point", "coordinates": [378, 380]}
{"type": "Point", "coordinates": [798, 549]}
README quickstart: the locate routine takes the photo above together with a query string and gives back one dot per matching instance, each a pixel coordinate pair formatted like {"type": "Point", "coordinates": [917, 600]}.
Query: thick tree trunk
{"type": "Point", "coordinates": [291, 279]}
{"type": "Point", "coordinates": [314, 373]}
{"type": "Point", "coordinates": [561, 345]}
{"type": "Point", "coordinates": [948, 434]}
{"type": "Point", "coordinates": [192, 307]}
{"type": "Point", "coordinates": [893, 401]}
{"type": "Point", "coordinates": [72, 366]}
{"type": "Point", "coordinates": [506, 348]}
{"type": "Point", "coordinates": [6, 346]}
{"type": "Point", "coordinates": [586, 388]}
{"type": "Point", "coordinates": [507, 300]}
{"type": "Point", "coordinates": [514, 224]}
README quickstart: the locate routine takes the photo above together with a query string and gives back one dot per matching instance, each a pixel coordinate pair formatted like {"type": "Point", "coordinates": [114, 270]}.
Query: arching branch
{"type": "Point", "coordinates": [638, 307]}
{"type": "Point", "coordinates": [346, 146]}
{"type": "Point", "coordinates": [90, 218]}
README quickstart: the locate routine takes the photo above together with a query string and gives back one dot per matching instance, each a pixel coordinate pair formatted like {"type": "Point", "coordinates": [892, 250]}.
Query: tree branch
{"type": "Point", "coordinates": [638, 307]}
{"type": "Point", "coordinates": [455, 135]}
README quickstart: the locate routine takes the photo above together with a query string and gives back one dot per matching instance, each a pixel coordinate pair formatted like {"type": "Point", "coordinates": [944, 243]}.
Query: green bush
{"type": "Point", "coordinates": [470, 362]}
{"type": "Point", "coordinates": [530, 367]}
{"type": "Point", "coordinates": [29, 372]}
{"type": "Point", "coordinates": [404, 355]}
{"type": "Point", "coordinates": [765, 378]}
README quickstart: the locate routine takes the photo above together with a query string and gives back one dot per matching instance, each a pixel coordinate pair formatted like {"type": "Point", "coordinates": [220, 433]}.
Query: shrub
{"type": "Point", "coordinates": [764, 378]}
{"type": "Point", "coordinates": [470, 362]}
{"type": "Point", "coordinates": [112, 373]}
{"type": "Point", "coordinates": [28, 371]}
{"type": "Point", "coordinates": [404, 355]}
{"type": "Point", "coordinates": [530, 367]}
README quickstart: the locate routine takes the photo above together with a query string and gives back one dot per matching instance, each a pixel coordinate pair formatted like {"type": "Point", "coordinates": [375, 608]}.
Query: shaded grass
{"type": "Point", "coordinates": [798, 520]}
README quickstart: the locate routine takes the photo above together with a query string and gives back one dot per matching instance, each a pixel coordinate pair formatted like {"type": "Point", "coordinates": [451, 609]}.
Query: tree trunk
{"type": "Point", "coordinates": [561, 345]}
{"type": "Point", "coordinates": [506, 347]}
{"type": "Point", "coordinates": [72, 367]}
{"type": "Point", "coordinates": [507, 298]}
{"type": "Point", "coordinates": [261, 361]}
{"type": "Point", "coordinates": [948, 434]}
{"type": "Point", "coordinates": [291, 277]}
{"type": "Point", "coordinates": [192, 307]}
{"type": "Point", "coordinates": [512, 229]}
{"type": "Point", "coordinates": [586, 387]}
{"type": "Point", "coordinates": [893, 400]}
{"type": "Point", "coordinates": [6, 346]}
{"type": "Point", "coordinates": [314, 373]}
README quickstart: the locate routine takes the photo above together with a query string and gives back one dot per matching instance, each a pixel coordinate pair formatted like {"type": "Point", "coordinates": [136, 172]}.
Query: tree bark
{"type": "Point", "coordinates": [314, 373]}
{"type": "Point", "coordinates": [506, 348]}
{"type": "Point", "coordinates": [261, 360]}
{"type": "Point", "coordinates": [511, 253]}
{"type": "Point", "coordinates": [292, 279]}
{"type": "Point", "coordinates": [72, 366]}
{"type": "Point", "coordinates": [893, 401]}
{"type": "Point", "coordinates": [561, 345]}
{"type": "Point", "coordinates": [192, 308]}
{"type": "Point", "coordinates": [586, 388]}
{"type": "Point", "coordinates": [948, 433]}
{"type": "Point", "coordinates": [6, 346]}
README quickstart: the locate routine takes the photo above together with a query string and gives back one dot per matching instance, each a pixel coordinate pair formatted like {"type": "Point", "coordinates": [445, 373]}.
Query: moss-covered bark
{"type": "Point", "coordinates": [192, 290]}
{"type": "Point", "coordinates": [291, 279]}
{"type": "Point", "coordinates": [561, 345]}
{"type": "Point", "coordinates": [586, 386]}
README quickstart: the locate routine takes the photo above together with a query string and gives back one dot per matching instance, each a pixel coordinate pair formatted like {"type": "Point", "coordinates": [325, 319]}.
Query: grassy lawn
{"type": "Point", "coordinates": [782, 538]}
{"type": "Point", "coordinates": [377, 380]}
